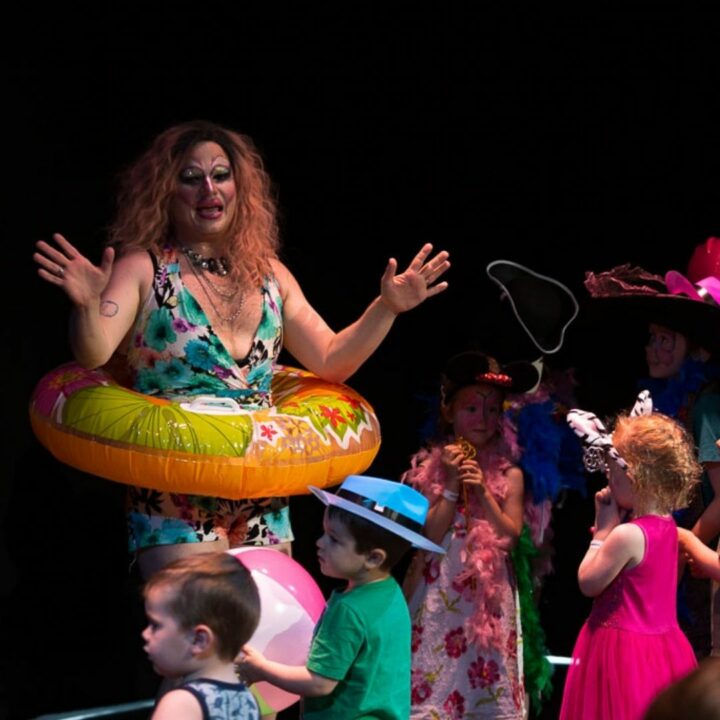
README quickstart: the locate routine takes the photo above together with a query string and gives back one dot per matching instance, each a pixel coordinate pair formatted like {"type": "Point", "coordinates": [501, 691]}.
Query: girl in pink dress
{"type": "Point", "coordinates": [631, 646]}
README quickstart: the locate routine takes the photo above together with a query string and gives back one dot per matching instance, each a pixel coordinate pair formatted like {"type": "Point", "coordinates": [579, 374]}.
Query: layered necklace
{"type": "Point", "coordinates": [201, 268]}
{"type": "Point", "coordinates": [216, 266]}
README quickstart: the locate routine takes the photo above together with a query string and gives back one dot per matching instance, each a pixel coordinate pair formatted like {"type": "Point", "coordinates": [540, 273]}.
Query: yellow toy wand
{"type": "Point", "coordinates": [469, 451]}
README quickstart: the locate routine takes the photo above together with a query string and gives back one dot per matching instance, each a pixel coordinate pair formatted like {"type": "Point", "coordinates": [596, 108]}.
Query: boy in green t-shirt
{"type": "Point", "coordinates": [359, 661]}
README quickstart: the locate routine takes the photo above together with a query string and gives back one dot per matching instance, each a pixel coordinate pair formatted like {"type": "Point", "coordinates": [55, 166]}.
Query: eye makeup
{"type": "Point", "coordinates": [194, 176]}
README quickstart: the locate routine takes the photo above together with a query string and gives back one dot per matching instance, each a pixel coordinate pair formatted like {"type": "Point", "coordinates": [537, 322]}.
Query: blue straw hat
{"type": "Point", "coordinates": [396, 507]}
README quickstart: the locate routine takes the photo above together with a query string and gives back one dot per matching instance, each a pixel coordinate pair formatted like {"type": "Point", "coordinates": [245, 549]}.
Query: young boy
{"type": "Point", "coordinates": [359, 661]}
{"type": "Point", "coordinates": [201, 610]}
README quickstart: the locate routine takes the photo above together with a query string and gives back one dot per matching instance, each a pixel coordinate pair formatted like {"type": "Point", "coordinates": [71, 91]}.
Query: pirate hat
{"type": "Point", "coordinates": [543, 306]}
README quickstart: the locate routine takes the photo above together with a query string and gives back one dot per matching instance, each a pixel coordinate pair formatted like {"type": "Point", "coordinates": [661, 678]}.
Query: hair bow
{"type": "Point", "coordinates": [595, 437]}
{"type": "Point", "coordinates": [643, 404]}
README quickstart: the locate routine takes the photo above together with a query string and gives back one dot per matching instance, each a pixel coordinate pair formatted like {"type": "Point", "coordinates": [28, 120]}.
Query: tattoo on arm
{"type": "Point", "coordinates": [108, 308]}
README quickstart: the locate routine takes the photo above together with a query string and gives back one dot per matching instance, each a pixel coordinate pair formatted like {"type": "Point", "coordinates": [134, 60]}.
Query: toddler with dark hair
{"type": "Point", "coordinates": [201, 610]}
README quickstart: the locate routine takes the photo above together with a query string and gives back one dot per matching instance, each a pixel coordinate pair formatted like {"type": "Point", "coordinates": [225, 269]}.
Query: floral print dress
{"type": "Point", "coordinates": [466, 635]}
{"type": "Point", "coordinates": [173, 352]}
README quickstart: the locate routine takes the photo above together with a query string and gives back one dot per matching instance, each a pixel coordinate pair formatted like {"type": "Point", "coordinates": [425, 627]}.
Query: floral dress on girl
{"type": "Point", "coordinates": [174, 352]}
{"type": "Point", "coordinates": [466, 634]}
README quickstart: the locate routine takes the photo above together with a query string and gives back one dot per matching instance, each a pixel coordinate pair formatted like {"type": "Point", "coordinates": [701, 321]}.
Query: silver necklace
{"type": "Point", "coordinates": [218, 291]}
{"type": "Point", "coordinates": [203, 282]}
{"type": "Point", "coordinates": [217, 266]}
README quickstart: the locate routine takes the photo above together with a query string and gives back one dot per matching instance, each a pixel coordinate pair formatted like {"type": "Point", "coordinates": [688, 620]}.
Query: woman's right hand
{"type": "Point", "coordinates": [63, 265]}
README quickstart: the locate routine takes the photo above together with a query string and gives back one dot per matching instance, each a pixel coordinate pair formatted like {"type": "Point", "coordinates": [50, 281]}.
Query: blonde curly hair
{"type": "Point", "coordinates": [661, 460]}
{"type": "Point", "coordinates": [148, 185]}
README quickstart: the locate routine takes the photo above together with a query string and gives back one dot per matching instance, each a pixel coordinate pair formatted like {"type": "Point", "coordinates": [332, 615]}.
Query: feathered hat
{"type": "Point", "coordinates": [689, 308]}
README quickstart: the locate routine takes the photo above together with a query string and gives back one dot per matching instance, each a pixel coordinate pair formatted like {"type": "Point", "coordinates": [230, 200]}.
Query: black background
{"type": "Point", "coordinates": [564, 140]}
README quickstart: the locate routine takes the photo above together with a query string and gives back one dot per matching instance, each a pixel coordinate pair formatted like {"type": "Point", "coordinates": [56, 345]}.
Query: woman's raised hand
{"type": "Point", "coordinates": [407, 290]}
{"type": "Point", "coordinates": [65, 266]}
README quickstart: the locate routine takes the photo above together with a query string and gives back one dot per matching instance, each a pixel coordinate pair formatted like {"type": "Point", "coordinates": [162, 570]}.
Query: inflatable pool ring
{"type": "Point", "coordinates": [291, 604]}
{"type": "Point", "coordinates": [317, 433]}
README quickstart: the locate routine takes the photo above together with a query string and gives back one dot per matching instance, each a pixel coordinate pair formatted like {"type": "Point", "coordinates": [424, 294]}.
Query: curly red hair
{"type": "Point", "coordinates": [661, 459]}
{"type": "Point", "coordinates": [147, 187]}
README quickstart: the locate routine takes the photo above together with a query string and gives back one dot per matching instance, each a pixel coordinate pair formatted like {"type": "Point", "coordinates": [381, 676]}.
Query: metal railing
{"type": "Point", "coordinates": [102, 712]}
{"type": "Point", "coordinates": [116, 711]}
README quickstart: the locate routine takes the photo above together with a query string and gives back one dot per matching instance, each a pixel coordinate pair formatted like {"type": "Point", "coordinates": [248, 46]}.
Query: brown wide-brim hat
{"type": "Point", "coordinates": [631, 293]}
{"type": "Point", "coordinates": [476, 368]}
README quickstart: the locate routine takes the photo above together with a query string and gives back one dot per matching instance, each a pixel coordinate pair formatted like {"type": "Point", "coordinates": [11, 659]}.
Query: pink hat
{"type": "Point", "coordinates": [705, 260]}
{"type": "Point", "coordinates": [705, 290]}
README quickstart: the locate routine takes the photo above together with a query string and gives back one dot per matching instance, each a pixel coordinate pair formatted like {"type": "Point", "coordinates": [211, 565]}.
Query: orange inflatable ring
{"type": "Point", "coordinates": [317, 433]}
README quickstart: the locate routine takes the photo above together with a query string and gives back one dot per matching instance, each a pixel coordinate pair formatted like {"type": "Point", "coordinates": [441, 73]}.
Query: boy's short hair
{"type": "Point", "coordinates": [369, 535]}
{"type": "Point", "coordinates": [213, 589]}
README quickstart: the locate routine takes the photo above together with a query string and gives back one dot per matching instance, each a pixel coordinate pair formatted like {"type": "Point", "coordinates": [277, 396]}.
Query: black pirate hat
{"type": "Point", "coordinates": [543, 306]}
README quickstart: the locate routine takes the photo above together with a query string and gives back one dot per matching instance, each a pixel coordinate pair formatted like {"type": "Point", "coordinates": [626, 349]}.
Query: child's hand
{"type": "Point", "coordinates": [248, 664]}
{"type": "Point", "coordinates": [607, 512]}
{"type": "Point", "coordinates": [471, 474]}
{"type": "Point", "coordinates": [452, 458]}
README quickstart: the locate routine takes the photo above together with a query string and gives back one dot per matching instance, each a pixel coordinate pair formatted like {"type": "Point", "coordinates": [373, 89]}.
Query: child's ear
{"type": "Point", "coordinates": [202, 639]}
{"type": "Point", "coordinates": [447, 413]}
{"type": "Point", "coordinates": [375, 558]}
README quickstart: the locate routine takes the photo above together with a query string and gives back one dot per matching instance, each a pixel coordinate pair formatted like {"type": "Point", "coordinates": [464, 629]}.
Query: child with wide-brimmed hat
{"type": "Point", "coordinates": [682, 314]}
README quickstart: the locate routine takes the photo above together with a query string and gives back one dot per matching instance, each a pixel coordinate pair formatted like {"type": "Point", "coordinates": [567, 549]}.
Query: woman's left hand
{"type": "Point", "coordinates": [407, 290]}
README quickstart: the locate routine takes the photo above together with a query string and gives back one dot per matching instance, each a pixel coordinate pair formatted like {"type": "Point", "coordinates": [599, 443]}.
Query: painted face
{"type": "Point", "coordinates": [475, 413]}
{"type": "Point", "coordinates": [336, 551]}
{"type": "Point", "coordinates": [167, 644]}
{"type": "Point", "coordinates": [205, 195]}
{"type": "Point", "coordinates": [620, 485]}
{"type": "Point", "coordinates": [665, 351]}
